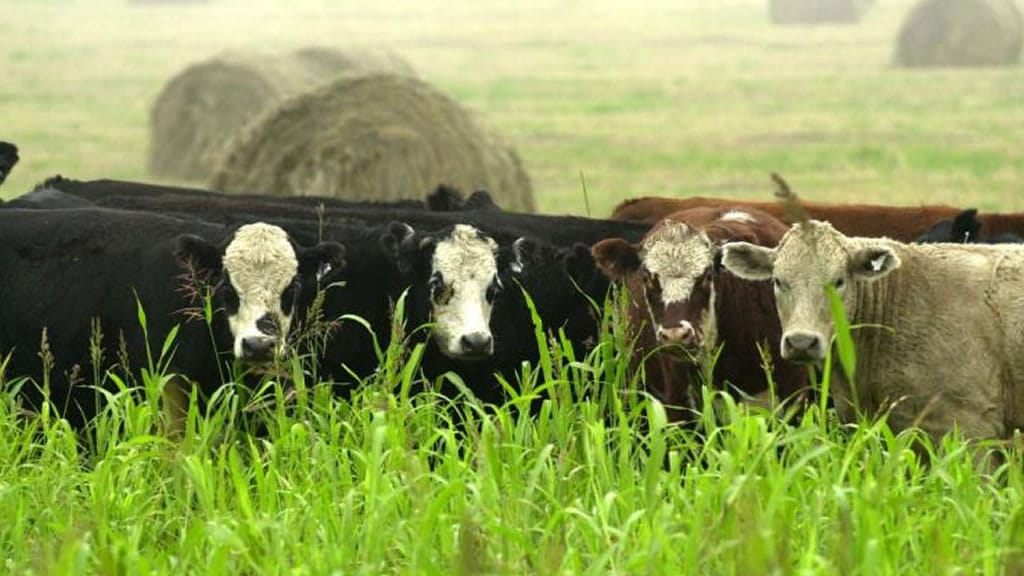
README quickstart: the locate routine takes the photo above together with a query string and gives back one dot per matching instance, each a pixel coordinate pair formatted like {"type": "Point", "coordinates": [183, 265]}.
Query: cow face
{"type": "Point", "coordinates": [259, 276]}
{"type": "Point", "coordinates": [671, 272]}
{"type": "Point", "coordinates": [809, 257]}
{"type": "Point", "coordinates": [459, 272]}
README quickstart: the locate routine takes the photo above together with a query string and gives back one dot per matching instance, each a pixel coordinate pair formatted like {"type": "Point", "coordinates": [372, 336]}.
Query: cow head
{"type": "Point", "coordinates": [965, 229]}
{"type": "Point", "coordinates": [456, 275]}
{"type": "Point", "coordinates": [259, 274]}
{"type": "Point", "coordinates": [809, 257]}
{"type": "Point", "coordinates": [671, 273]}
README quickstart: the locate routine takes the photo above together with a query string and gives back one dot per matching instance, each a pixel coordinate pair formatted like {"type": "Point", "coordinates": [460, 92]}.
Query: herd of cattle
{"type": "Point", "coordinates": [935, 294]}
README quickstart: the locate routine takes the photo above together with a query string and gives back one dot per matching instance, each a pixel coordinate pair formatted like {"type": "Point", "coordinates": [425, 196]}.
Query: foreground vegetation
{"type": "Point", "coordinates": [298, 480]}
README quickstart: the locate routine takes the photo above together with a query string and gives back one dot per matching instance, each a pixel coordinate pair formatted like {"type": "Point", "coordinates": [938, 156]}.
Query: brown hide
{"type": "Point", "coordinates": [904, 223]}
{"type": "Point", "coordinates": [745, 317]}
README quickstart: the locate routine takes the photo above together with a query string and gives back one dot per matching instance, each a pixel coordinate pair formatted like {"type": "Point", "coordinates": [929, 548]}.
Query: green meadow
{"type": "Point", "coordinates": [604, 100]}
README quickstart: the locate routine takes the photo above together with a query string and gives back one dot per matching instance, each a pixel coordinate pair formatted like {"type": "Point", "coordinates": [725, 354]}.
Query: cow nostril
{"type": "Point", "coordinates": [258, 348]}
{"type": "Point", "coordinates": [477, 343]}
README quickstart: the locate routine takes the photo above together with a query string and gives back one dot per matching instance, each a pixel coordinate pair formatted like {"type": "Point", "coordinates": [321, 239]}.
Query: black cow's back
{"type": "Point", "coordinates": [60, 269]}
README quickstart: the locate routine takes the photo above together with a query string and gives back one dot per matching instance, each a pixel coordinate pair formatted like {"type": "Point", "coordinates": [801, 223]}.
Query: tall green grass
{"type": "Point", "coordinates": [578, 473]}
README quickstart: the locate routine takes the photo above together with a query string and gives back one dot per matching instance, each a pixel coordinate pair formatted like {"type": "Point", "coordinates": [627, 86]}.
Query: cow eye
{"type": "Point", "coordinates": [839, 283]}
{"type": "Point", "coordinates": [439, 291]}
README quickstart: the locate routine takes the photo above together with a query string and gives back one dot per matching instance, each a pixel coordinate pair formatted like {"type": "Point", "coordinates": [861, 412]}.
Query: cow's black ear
{"type": "Point", "coordinates": [524, 253]}
{"type": "Point", "coordinates": [395, 235]}
{"type": "Point", "coordinates": [322, 259]}
{"type": "Point", "coordinates": [966, 227]}
{"type": "Point", "coordinates": [205, 258]}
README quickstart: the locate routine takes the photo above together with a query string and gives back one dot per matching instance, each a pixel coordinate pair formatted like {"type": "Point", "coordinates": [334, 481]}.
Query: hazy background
{"type": "Point", "coordinates": [644, 97]}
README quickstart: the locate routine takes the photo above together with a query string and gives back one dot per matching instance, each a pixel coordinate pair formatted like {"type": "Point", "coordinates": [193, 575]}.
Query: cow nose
{"type": "Point", "coordinates": [258, 348]}
{"type": "Point", "coordinates": [683, 334]}
{"type": "Point", "coordinates": [477, 344]}
{"type": "Point", "coordinates": [801, 346]}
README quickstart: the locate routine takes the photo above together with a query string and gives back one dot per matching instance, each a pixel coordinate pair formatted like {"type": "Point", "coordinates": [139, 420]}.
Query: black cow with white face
{"type": "Point", "coordinates": [462, 269]}
{"type": "Point", "coordinates": [61, 269]}
{"type": "Point", "coordinates": [454, 275]}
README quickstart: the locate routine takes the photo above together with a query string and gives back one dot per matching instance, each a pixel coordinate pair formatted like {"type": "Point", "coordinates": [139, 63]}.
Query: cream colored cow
{"type": "Point", "coordinates": [942, 342]}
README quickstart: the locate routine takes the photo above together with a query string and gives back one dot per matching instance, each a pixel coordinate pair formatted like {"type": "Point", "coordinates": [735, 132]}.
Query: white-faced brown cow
{"type": "Point", "coordinates": [682, 302]}
{"type": "Point", "coordinates": [940, 343]}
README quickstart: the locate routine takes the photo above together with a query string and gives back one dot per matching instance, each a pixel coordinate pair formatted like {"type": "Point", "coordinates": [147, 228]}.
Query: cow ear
{"type": "Point", "coordinates": [748, 261]}
{"type": "Point", "coordinates": [615, 257]}
{"type": "Point", "coordinates": [966, 227]}
{"type": "Point", "coordinates": [195, 252]}
{"type": "Point", "coordinates": [516, 258]}
{"type": "Point", "coordinates": [322, 259]}
{"type": "Point", "coordinates": [873, 262]}
{"type": "Point", "coordinates": [395, 235]}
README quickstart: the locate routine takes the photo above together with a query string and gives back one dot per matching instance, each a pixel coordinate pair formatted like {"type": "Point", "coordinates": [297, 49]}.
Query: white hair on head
{"type": "Point", "coordinates": [738, 216]}
{"type": "Point", "coordinates": [677, 255]}
{"type": "Point", "coordinates": [261, 263]}
{"type": "Point", "coordinates": [467, 262]}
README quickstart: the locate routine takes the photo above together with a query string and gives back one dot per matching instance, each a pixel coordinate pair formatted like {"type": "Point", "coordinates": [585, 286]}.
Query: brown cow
{"type": "Point", "coordinates": [904, 223]}
{"type": "Point", "coordinates": [682, 303]}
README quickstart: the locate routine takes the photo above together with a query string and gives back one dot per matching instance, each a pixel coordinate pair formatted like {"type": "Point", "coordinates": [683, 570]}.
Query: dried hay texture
{"type": "Point", "coordinates": [966, 33]}
{"type": "Point", "coordinates": [378, 137]}
{"type": "Point", "coordinates": [201, 108]}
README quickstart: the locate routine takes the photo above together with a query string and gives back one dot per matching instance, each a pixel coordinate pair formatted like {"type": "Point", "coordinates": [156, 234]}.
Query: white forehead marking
{"type": "Point", "coordinates": [465, 254]}
{"type": "Point", "coordinates": [738, 216]}
{"type": "Point", "coordinates": [260, 257]}
{"type": "Point", "coordinates": [677, 255]}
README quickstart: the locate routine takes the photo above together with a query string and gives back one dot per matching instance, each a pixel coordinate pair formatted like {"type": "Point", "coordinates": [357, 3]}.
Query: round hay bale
{"type": "Point", "coordinates": [961, 33]}
{"type": "Point", "coordinates": [204, 105]}
{"type": "Point", "coordinates": [811, 12]}
{"type": "Point", "coordinates": [376, 137]}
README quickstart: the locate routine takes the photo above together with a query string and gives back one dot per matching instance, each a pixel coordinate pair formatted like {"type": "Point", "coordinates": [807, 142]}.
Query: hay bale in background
{"type": "Point", "coordinates": [961, 33]}
{"type": "Point", "coordinates": [810, 12]}
{"type": "Point", "coordinates": [375, 137]}
{"type": "Point", "coordinates": [206, 104]}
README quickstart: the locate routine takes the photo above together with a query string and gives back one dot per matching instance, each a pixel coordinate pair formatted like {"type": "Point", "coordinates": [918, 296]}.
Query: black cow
{"type": "Point", "coordinates": [965, 228]}
{"type": "Point", "coordinates": [60, 269]}
{"type": "Point", "coordinates": [125, 194]}
{"type": "Point", "coordinates": [551, 252]}
{"type": "Point", "coordinates": [8, 158]}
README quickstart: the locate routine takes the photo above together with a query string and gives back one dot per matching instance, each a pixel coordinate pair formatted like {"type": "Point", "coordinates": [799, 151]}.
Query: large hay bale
{"type": "Point", "coordinates": [961, 33]}
{"type": "Point", "coordinates": [204, 105]}
{"type": "Point", "coordinates": [376, 137]}
{"type": "Point", "coordinates": [811, 12]}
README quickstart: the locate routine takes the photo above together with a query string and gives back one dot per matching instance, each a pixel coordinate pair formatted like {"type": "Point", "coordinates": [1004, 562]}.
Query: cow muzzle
{"type": "Point", "coordinates": [682, 335]}
{"type": "Point", "coordinates": [804, 347]}
{"type": "Point", "coordinates": [474, 346]}
{"type": "Point", "coordinates": [258, 349]}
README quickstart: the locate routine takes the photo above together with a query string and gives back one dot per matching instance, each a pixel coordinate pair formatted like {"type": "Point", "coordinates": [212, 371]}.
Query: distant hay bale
{"type": "Point", "coordinates": [961, 33]}
{"type": "Point", "coordinates": [376, 137]}
{"type": "Point", "coordinates": [204, 105]}
{"type": "Point", "coordinates": [810, 12]}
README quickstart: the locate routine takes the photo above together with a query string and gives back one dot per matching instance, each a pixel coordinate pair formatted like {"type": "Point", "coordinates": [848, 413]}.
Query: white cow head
{"type": "Point", "coordinates": [259, 274]}
{"type": "Point", "coordinates": [456, 275]}
{"type": "Point", "coordinates": [809, 257]}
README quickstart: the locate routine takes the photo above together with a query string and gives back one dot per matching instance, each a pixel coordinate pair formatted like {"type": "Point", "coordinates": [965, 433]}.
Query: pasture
{"type": "Point", "coordinates": [641, 98]}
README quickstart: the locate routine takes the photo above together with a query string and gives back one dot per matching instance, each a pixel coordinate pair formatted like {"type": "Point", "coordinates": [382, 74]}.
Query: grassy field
{"type": "Point", "coordinates": [649, 97]}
